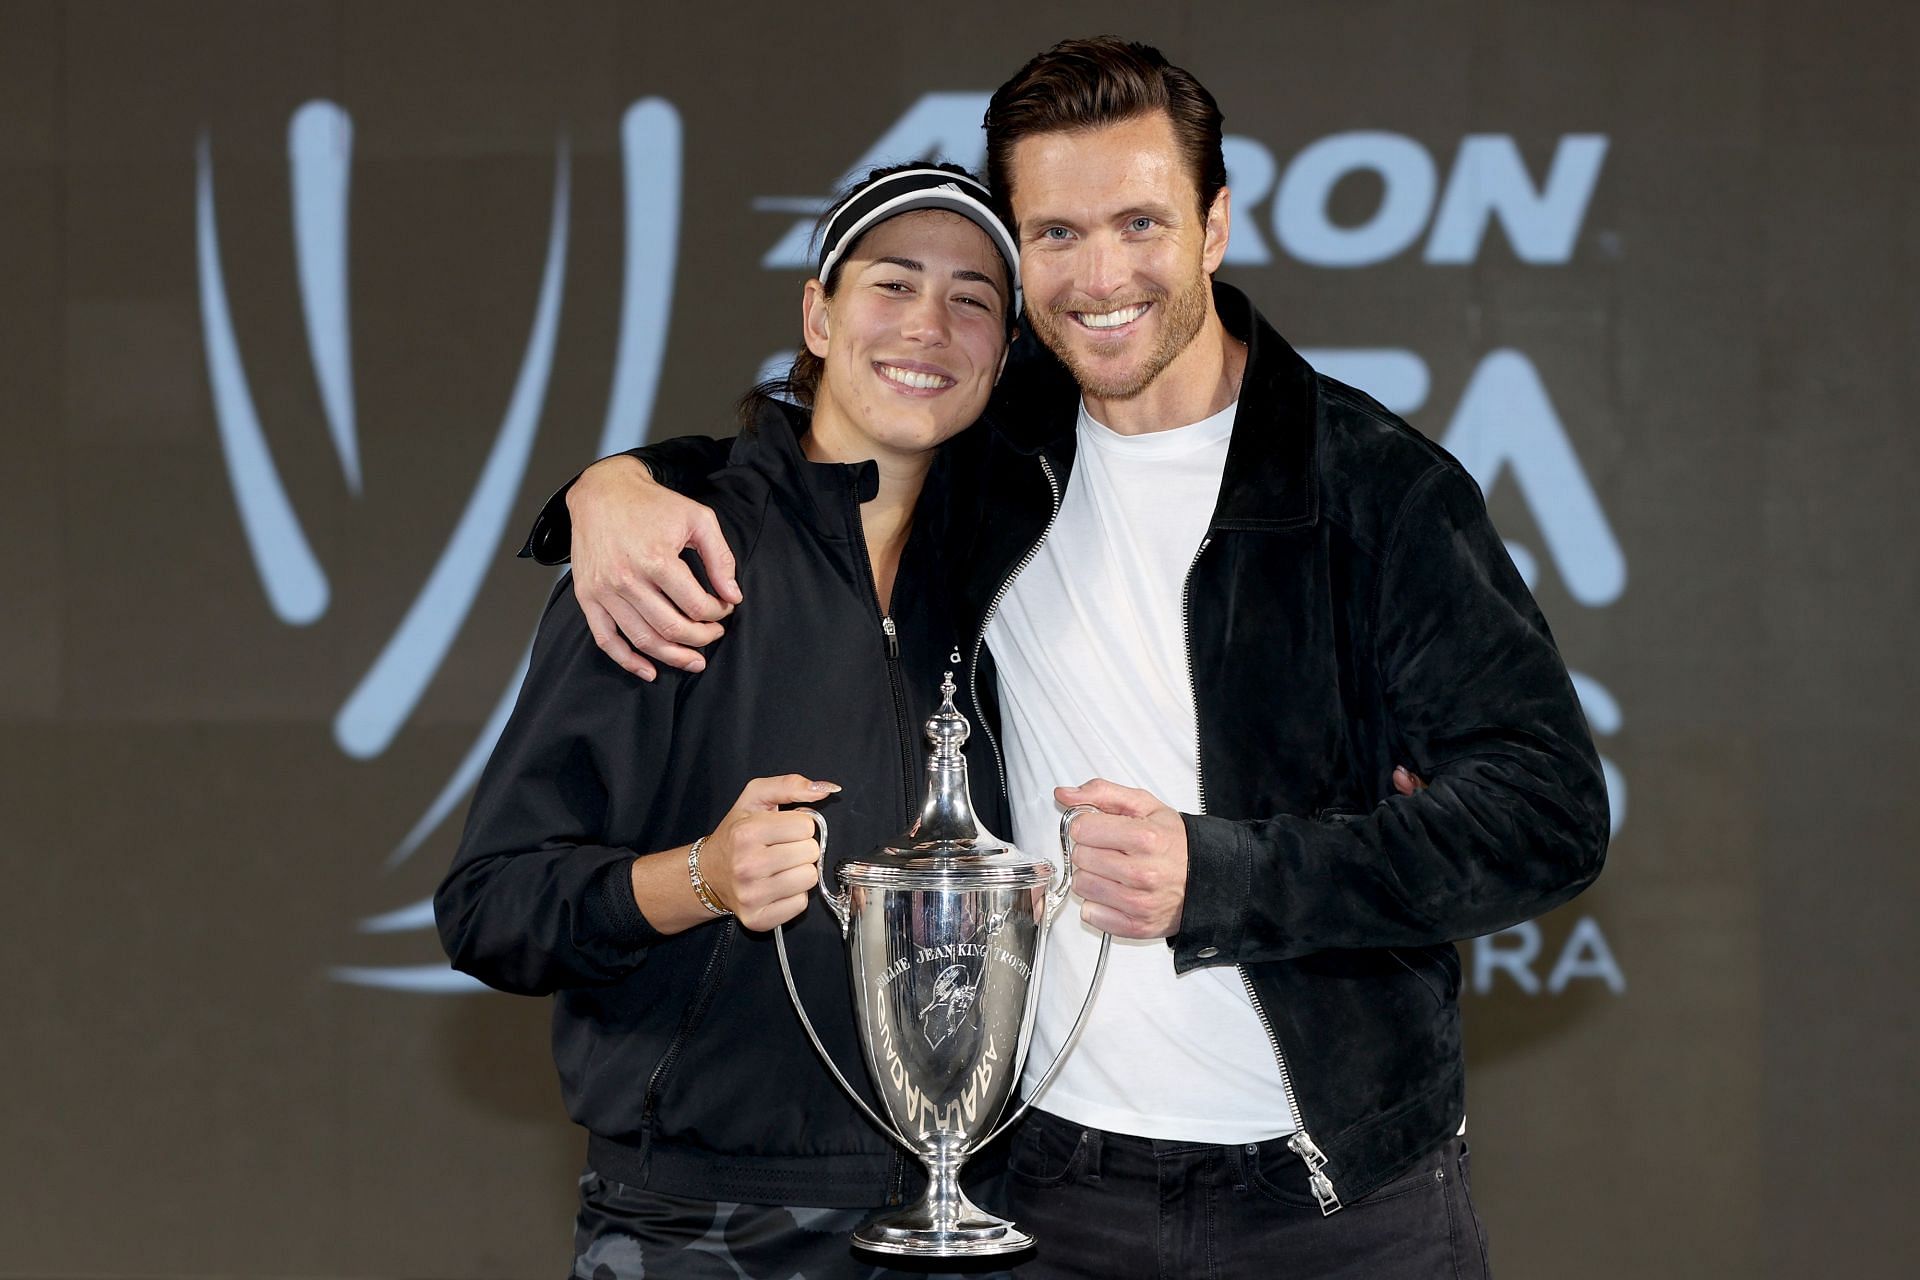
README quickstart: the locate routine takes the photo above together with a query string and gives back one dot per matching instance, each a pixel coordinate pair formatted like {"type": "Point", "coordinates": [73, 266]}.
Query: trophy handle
{"type": "Point", "coordinates": [1099, 968]}
{"type": "Point", "coordinates": [838, 904]}
{"type": "Point", "coordinates": [1057, 896]}
{"type": "Point", "coordinates": [793, 994]}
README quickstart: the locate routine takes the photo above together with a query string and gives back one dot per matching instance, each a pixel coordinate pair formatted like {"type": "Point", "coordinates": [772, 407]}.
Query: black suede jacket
{"type": "Point", "coordinates": [1350, 609]}
{"type": "Point", "coordinates": [680, 1054]}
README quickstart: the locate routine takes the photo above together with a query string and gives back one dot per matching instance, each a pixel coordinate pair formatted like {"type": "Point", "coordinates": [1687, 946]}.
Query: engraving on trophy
{"type": "Point", "coordinates": [1013, 962]}
{"type": "Point", "coordinates": [952, 1003]}
{"type": "Point", "coordinates": [920, 1108]}
{"type": "Point", "coordinates": [956, 988]}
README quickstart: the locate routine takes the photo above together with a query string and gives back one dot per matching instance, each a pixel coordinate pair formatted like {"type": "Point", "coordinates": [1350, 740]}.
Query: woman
{"type": "Point", "coordinates": [626, 851]}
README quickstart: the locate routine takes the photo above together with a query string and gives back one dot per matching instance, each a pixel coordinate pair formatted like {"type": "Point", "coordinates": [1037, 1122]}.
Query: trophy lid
{"type": "Point", "coordinates": [945, 847]}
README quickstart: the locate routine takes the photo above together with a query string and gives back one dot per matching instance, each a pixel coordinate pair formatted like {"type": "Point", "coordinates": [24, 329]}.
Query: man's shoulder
{"type": "Point", "coordinates": [1370, 462]}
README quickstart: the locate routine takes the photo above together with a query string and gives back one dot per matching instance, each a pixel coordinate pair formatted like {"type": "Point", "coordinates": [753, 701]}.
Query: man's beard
{"type": "Point", "coordinates": [1182, 315]}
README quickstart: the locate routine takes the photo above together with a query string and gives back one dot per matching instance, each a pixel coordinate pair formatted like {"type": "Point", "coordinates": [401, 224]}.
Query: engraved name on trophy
{"type": "Point", "coordinates": [946, 931]}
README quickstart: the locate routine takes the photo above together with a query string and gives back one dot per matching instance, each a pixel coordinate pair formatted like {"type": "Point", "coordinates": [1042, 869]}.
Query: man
{"type": "Point", "coordinates": [1240, 598]}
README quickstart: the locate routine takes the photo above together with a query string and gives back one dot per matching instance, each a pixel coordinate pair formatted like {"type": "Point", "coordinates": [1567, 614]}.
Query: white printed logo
{"type": "Point", "coordinates": [1488, 183]}
{"type": "Point", "coordinates": [320, 152]}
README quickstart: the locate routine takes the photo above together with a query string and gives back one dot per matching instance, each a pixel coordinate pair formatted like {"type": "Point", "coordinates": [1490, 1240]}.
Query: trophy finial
{"type": "Point", "coordinates": [946, 823]}
{"type": "Point", "coordinates": [947, 729]}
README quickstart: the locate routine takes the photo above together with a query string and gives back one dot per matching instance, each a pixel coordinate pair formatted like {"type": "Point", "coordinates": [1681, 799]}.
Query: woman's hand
{"type": "Point", "coordinates": [762, 860]}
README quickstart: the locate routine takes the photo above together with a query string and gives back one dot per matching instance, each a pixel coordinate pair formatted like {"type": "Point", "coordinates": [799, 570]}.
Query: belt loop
{"type": "Point", "coordinates": [1090, 1139]}
{"type": "Point", "coordinates": [1241, 1159]}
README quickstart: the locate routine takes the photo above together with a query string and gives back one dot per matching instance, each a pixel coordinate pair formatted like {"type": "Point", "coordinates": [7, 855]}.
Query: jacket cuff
{"type": "Point", "coordinates": [610, 912]}
{"type": "Point", "coordinates": [550, 541]}
{"type": "Point", "coordinates": [1219, 880]}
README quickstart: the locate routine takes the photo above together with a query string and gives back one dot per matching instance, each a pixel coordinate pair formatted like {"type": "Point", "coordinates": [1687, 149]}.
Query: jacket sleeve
{"type": "Point", "coordinates": [1514, 819]}
{"type": "Point", "coordinates": [539, 897]}
{"type": "Point", "coordinates": [680, 464]}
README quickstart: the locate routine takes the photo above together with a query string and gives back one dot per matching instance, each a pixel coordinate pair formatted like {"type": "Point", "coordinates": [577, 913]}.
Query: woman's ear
{"type": "Point", "coordinates": [814, 325]}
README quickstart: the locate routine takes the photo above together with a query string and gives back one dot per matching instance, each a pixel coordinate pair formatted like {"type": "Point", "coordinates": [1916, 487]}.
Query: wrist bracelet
{"type": "Point", "coordinates": [701, 889]}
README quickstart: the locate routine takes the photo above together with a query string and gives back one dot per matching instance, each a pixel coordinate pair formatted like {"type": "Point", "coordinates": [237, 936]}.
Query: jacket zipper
{"type": "Point", "coordinates": [687, 1025]}
{"type": "Point", "coordinates": [979, 640]}
{"type": "Point", "coordinates": [903, 731]}
{"type": "Point", "coordinates": [903, 734]}
{"type": "Point", "coordinates": [890, 644]}
{"type": "Point", "coordinates": [1300, 1142]}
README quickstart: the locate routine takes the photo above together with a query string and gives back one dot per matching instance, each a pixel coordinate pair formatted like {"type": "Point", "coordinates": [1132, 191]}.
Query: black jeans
{"type": "Point", "coordinates": [631, 1233]}
{"type": "Point", "coordinates": [1108, 1205]}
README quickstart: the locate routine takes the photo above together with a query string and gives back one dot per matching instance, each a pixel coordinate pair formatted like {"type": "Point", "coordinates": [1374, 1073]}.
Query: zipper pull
{"type": "Point", "coordinates": [1322, 1186]}
{"type": "Point", "coordinates": [893, 637]}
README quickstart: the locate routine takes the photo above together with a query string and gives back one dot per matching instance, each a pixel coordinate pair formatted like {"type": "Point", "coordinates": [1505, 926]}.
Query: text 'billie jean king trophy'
{"type": "Point", "coordinates": [946, 931]}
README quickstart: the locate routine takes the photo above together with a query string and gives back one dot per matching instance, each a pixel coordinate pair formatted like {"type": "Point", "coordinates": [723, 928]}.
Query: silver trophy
{"type": "Point", "coordinates": [946, 931]}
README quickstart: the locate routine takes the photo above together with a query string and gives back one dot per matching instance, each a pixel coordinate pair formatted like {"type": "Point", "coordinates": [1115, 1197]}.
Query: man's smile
{"type": "Point", "coordinates": [1106, 321]}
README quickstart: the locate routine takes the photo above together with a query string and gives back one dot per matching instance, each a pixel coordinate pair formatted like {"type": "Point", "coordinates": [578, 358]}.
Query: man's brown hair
{"type": "Point", "coordinates": [1085, 84]}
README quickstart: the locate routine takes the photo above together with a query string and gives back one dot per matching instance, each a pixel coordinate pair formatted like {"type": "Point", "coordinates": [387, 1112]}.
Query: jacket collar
{"type": "Point", "coordinates": [770, 445]}
{"type": "Point", "coordinates": [1272, 479]}
{"type": "Point", "coordinates": [1272, 473]}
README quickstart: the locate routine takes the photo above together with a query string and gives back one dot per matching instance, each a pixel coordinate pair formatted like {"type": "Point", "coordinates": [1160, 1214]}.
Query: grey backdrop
{"type": "Point", "coordinates": [1721, 1080]}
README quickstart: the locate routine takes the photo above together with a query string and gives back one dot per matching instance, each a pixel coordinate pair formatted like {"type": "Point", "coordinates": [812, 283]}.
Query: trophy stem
{"type": "Point", "coordinates": [944, 1223]}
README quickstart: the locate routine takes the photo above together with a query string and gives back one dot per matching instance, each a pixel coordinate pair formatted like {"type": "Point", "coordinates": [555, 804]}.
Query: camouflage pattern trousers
{"type": "Point", "coordinates": [629, 1233]}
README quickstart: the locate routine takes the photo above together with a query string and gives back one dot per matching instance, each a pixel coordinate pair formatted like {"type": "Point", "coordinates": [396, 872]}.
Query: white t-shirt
{"type": "Point", "coordinates": [1091, 651]}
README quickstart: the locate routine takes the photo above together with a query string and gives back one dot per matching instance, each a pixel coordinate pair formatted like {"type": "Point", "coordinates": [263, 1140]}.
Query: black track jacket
{"type": "Point", "coordinates": [681, 1055]}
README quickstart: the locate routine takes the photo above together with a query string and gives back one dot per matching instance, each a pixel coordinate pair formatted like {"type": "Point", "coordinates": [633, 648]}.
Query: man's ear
{"type": "Point", "coordinates": [1219, 223]}
{"type": "Point", "coordinates": [814, 326]}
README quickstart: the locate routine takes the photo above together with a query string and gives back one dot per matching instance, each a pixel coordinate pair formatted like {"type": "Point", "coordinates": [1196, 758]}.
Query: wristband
{"type": "Point", "coordinates": [701, 889]}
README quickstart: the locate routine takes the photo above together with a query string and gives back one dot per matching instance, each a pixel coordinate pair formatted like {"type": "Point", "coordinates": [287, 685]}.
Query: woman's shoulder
{"type": "Point", "coordinates": [741, 500]}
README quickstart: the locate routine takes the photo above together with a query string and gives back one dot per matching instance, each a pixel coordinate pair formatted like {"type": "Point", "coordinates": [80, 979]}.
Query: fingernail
{"type": "Point", "coordinates": [698, 664]}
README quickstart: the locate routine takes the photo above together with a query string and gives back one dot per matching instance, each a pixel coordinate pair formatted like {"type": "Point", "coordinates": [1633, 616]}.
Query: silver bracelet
{"type": "Point", "coordinates": [701, 889]}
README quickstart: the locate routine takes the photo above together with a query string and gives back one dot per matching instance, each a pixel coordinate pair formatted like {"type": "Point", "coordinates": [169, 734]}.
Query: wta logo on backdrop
{"type": "Point", "coordinates": [296, 585]}
{"type": "Point", "coordinates": [1505, 427]}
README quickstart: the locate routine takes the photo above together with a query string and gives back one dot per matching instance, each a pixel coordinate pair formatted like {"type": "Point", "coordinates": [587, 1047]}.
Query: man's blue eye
{"type": "Point", "coordinates": [1141, 224]}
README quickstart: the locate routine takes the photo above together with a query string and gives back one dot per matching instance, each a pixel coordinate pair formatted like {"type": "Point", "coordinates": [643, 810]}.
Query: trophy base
{"type": "Point", "coordinates": [943, 1225]}
{"type": "Point", "coordinates": [912, 1233]}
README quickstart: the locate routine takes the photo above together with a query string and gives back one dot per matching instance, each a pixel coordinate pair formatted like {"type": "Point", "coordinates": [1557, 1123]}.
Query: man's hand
{"type": "Point", "coordinates": [762, 859]}
{"type": "Point", "coordinates": [1129, 860]}
{"type": "Point", "coordinates": [638, 595]}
